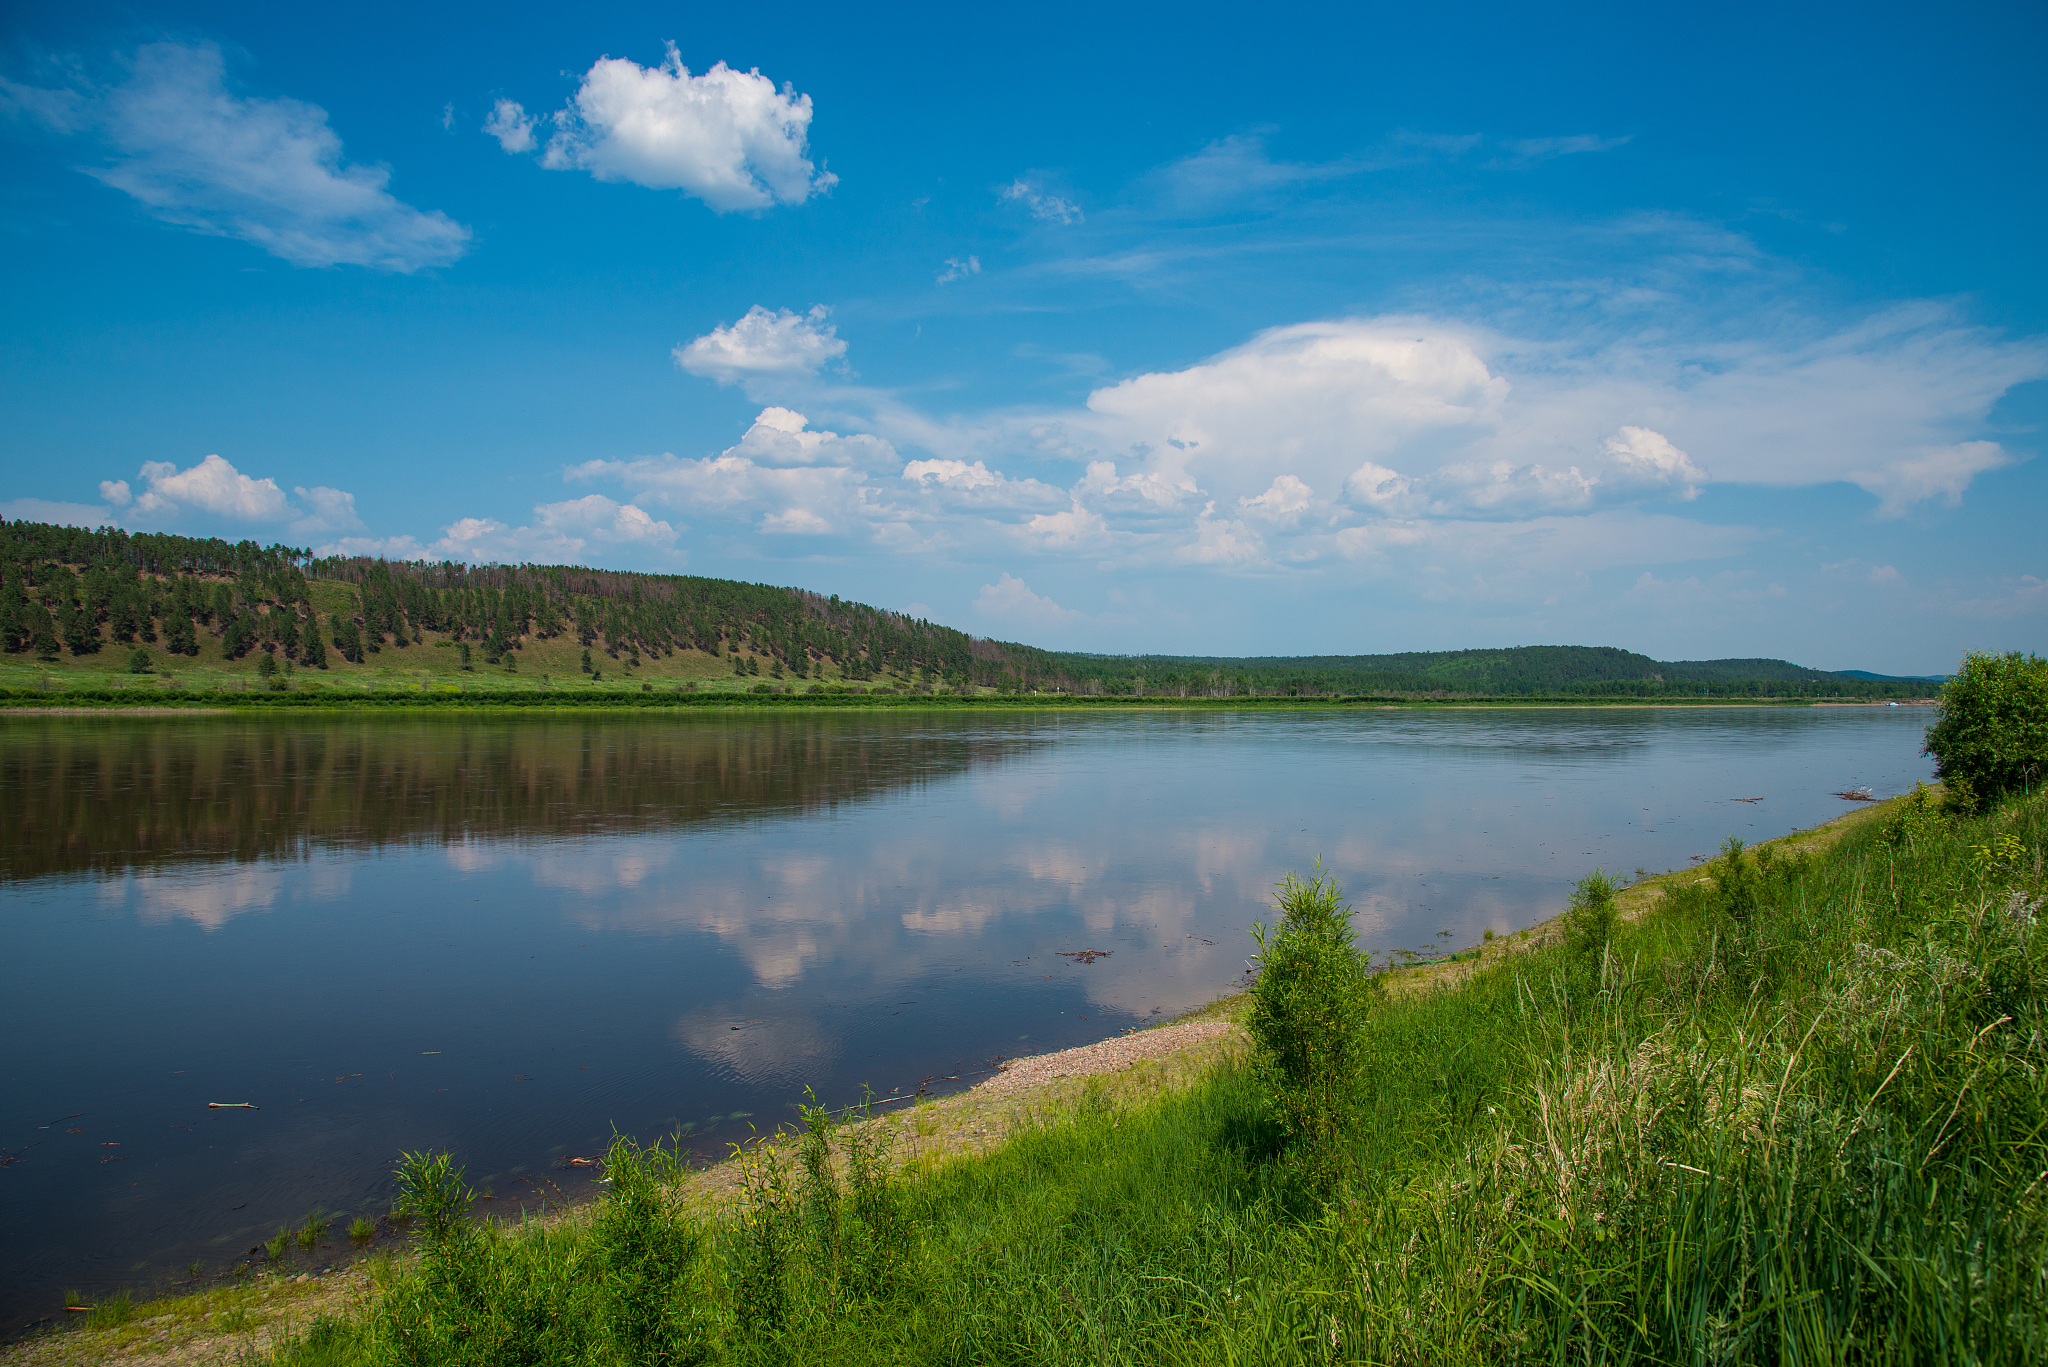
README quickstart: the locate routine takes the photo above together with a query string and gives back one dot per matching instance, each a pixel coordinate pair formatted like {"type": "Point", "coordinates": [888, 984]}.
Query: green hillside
{"type": "Point", "coordinates": [1520, 671]}
{"type": "Point", "coordinates": [96, 607]}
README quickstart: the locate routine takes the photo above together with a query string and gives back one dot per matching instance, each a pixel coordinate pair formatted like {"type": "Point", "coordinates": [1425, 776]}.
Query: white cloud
{"type": "Point", "coordinates": [1926, 473]}
{"type": "Point", "coordinates": [1011, 602]}
{"type": "Point", "coordinates": [561, 533]}
{"type": "Point", "coordinates": [331, 511]}
{"type": "Point", "coordinates": [265, 171]}
{"type": "Point", "coordinates": [1044, 207]}
{"type": "Point", "coordinates": [780, 474]}
{"type": "Point", "coordinates": [959, 268]}
{"type": "Point", "coordinates": [764, 346]}
{"type": "Point", "coordinates": [511, 125]}
{"type": "Point", "coordinates": [781, 437]}
{"type": "Point", "coordinates": [1221, 541]}
{"type": "Point", "coordinates": [729, 138]}
{"type": "Point", "coordinates": [212, 486]}
{"type": "Point", "coordinates": [115, 492]}
{"type": "Point", "coordinates": [597, 518]}
{"type": "Point", "coordinates": [1075, 529]}
{"type": "Point", "coordinates": [1285, 499]}
{"type": "Point", "coordinates": [1640, 459]}
{"type": "Point", "coordinates": [952, 474]}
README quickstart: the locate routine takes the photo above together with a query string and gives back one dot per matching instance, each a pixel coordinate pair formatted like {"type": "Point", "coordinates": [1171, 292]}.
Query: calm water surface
{"type": "Point", "coordinates": [507, 936]}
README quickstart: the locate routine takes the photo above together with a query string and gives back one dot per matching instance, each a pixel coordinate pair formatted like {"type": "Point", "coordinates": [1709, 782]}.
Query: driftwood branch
{"type": "Point", "coordinates": [232, 1106]}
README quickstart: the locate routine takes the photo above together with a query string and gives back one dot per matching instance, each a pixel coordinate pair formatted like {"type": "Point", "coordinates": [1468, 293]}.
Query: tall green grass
{"type": "Point", "coordinates": [1796, 1114]}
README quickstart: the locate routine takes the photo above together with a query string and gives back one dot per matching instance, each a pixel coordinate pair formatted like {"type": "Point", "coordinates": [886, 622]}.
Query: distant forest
{"type": "Point", "coordinates": [67, 591]}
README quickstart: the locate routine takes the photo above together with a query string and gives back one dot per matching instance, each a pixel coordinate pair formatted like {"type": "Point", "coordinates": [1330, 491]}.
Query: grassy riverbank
{"type": "Point", "coordinates": [1791, 1106]}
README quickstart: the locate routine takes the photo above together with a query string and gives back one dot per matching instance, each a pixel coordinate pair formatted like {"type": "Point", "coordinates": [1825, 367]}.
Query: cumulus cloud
{"type": "Point", "coordinates": [764, 346]}
{"type": "Point", "coordinates": [1010, 602]}
{"type": "Point", "coordinates": [1285, 499]}
{"type": "Point", "coordinates": [782, 437]}
{"type": "Point", "coordinates": [560, 533]}
{"type": "Point", "coordinates": [959, 268]}
{"type": "Point", "coordinates": [212, 486]}
{"type": "Point", "coordinates": [511, 125]}
{"type": "Point", "coordinates": [781, 475]}
{"type": "Point", "coordinates": [1928, 473]}
{"type": "Point", "coordinates": [1044, 207]}
{"type": "Point", "coordinates": [728, 138]}
{"type": "Point", "coordinates": [265, 171]}
{"type": "Point", "coordinates": [328, 511]}
{"type": "Point", "coordinates": [951, 474]}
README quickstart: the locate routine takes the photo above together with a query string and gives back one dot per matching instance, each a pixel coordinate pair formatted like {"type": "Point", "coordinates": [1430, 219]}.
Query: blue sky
{"type": "Point", "coordinates": [1169, 329]}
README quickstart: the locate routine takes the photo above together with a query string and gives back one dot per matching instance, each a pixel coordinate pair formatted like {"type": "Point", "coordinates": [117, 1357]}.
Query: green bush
{"type": "Point", "coordinates": [1593, 915]}
{"type": "Point", "coordinates": [1990, 735]}
{"type": "Point", "coordinates": [1308, 1022]}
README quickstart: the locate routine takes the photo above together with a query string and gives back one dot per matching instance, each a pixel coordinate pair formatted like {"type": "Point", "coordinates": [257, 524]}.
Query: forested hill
{"type": "Point", "coordinates": [1591, 671]}
{"type": "Point", "coordinates": [69, 594]}
{"type": "Point", "coordinates": [81, 589]}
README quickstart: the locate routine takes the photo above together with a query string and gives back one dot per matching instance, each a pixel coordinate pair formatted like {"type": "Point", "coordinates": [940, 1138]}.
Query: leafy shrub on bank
{"type": "Point", "coordinates": [1990, 736]}
{"type": "Point", "coordinates": [1308, 1021]}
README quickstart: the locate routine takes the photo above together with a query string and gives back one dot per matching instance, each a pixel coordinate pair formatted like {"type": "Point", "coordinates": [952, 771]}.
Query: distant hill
{"type": "Point", "coordinates": [1590, 671]}
{"type": "Point", "coordinates": [70, 594]}
{"type": "Point", "coordinates": [1891, 678]}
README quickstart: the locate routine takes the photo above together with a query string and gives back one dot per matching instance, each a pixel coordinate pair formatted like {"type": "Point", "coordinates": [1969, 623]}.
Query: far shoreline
{"type": "Point", "coordinates": [27, 703]}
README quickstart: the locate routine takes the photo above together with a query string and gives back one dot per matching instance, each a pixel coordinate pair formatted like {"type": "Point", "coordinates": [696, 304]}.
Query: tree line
{"type": "Point", "coordinates": [72, 590]}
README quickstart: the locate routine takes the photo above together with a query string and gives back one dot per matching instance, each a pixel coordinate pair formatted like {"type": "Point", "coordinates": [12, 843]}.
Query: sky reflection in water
{"type": "Point", "coordinates": [507, 936]}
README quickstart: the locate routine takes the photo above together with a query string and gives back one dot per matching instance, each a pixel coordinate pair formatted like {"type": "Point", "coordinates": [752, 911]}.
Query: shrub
{"type": "Point", "coordinates": [1991, 731]}
{"type": "Point", "coordinates": [139, 662]}
{"type": "Point", "coordinates": [1593, 915]}
{"type": "Point", "coordinates": [1308, 1021]}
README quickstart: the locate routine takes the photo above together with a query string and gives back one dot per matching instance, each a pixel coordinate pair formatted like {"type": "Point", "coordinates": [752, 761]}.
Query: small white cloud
{"type": "Point", "coordinates": [265, 171]}
{"type": "Point", "coordinates": [795, 521]}
{"type": "Point", "coordinates": [1283, 502]}
{"type": "Point", "coordinates": [1073, 529]}
{"type": "Point", "coordinates": [1221, 541]}
{"type": "Point", "coordinates": [952, 474]}
{"type": "Point", "coordinates": [213, 486]}
{"type": "Point", "coordinates": [959, 268]}
{"type": "Point", "coordinates": [1930, 472]}
{"type": "Point", "coordinates": [780, 437]}
{"type": "Point", "coordinates": [764, 345]}
{"type": "Point", "coordinates": [115, 492]}
{"type": "Point", "coordinates": [729, 138]}
{"type": "Point", "coordinates": [1643, 460]}
{"type": "Point", "coordinates": [1044, 207]}
{"type": "Point", "coordinates": [511, 125]}
{"type": "Point", "coordinates": [448, 117]}
{"type": "Point", "coordinates": [1010, 600]}
{"type": "Point", "coordinates": [597, 518]}
{"type": "Point", "coordinates": [331, 511]}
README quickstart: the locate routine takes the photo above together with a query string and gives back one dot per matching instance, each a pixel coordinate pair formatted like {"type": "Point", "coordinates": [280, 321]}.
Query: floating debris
{"type": "Point", "coordinates": [1085, 956]}
{"type": "Point", "coordinates": [1857, 795]}
{"type": "Point", "coordinates": [233, 1106]}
